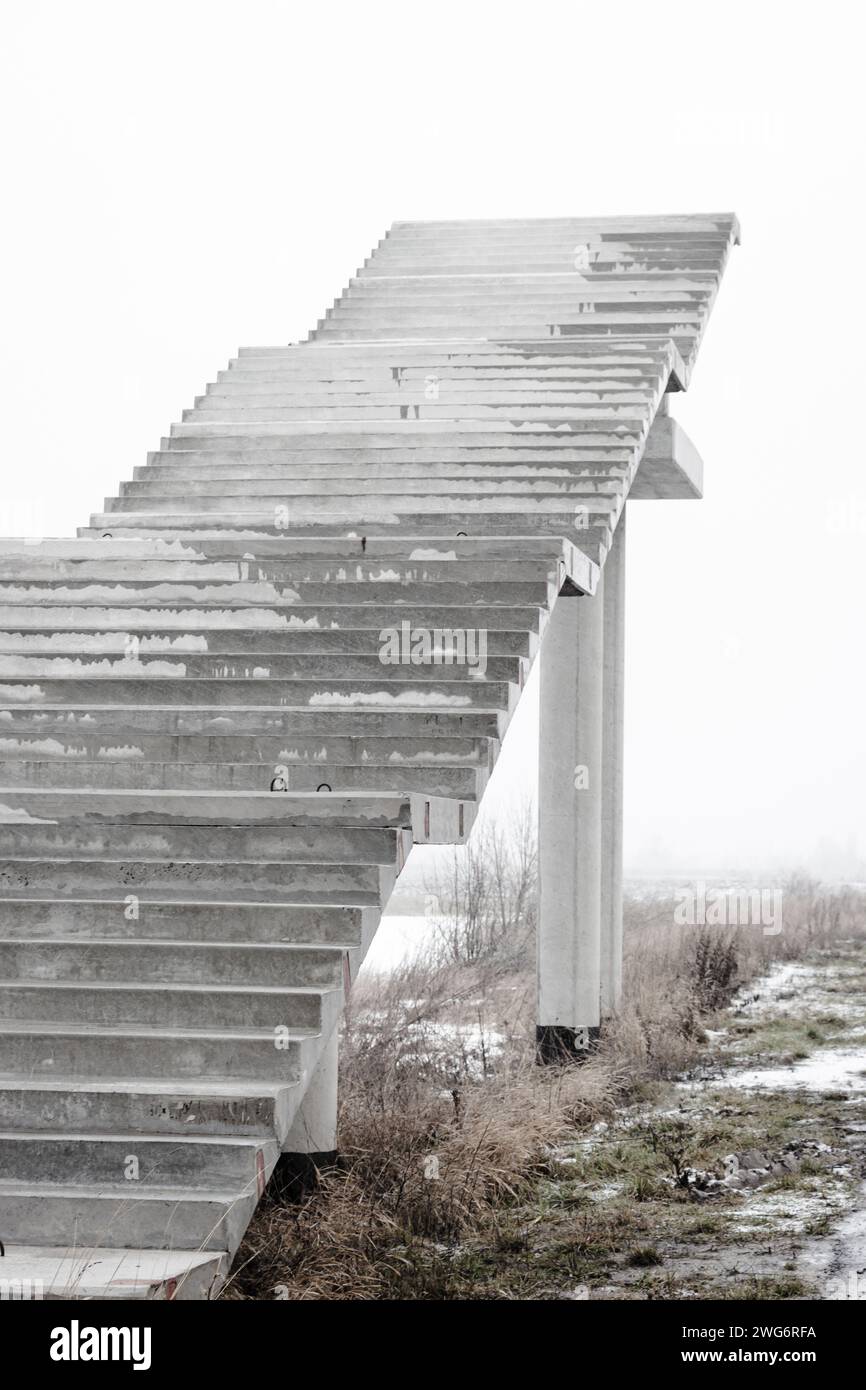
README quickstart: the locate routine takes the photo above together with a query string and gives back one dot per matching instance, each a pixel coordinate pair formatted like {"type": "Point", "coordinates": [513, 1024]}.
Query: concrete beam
{"type": "Point", "coordinates": [671, 465]}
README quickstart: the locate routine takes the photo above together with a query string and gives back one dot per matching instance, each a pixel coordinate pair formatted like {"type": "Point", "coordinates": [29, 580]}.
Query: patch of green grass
{"type": "Point", "coordinates": [644, 1257]}
{"type": "Point", "coordinates": [566, 1196]}
{"type": "Point", "coordinates": [820, 1225]}
{"type": "Point", "coordinates": [510, 1240]}
{"type": "Point", "coordinates": [619, 1158]}
{"type": "Point", "coordinates": [786, 1182]}
{"type": "Point", "coordinates": [645, 1188]}
{"type": "Point", "coordinates": [704, 1226]}
{"type": "Point", "coordinates": [789, 1036]}
{"type": "Point", "coordinates": [771, 1118]}
{"type": "Point", "coordinates": [645, 1091]}
{"type": "Point", "coordinates": [763, 1288]}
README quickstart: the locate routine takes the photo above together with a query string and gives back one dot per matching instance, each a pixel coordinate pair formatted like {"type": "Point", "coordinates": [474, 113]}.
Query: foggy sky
{"type": "Point", "coordinates": [182, 179]}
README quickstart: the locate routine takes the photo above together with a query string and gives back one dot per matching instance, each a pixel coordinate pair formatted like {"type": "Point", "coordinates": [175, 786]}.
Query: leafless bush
{"type": "Point", "coordinates": [486, 900]}
{"type": "Point", "coordinates": [712, 969]}
{"type": "Point", "coordinates": [675, 977]}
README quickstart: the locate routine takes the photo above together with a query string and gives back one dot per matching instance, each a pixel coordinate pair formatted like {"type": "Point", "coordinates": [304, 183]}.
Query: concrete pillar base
{"type": "Point", "coordinates": [314, 1128]}
{"type": "Point", "coordinates": [555, 1044]}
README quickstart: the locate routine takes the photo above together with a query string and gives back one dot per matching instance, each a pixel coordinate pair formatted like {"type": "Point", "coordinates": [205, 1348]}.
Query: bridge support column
{"type": "Point", "coordinates": [570, 828]}
{"type": "Point", "coordinates": [311, 1143]}
{"type": "Point", "coordinates": [612, 772]}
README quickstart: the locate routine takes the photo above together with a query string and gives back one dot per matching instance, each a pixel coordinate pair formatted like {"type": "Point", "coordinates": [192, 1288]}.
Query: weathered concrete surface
{"type": "Point", "coordinates": [43, 1272]}
{"type": "Point", "coordinates": [613, 712]}
{"type": "Point", "coordinates": [570, 825]}
{"type": "Point", "coordinates": [288, 648]}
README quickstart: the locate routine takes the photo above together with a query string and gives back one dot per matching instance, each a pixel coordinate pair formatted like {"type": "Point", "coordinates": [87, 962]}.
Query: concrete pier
{"type": "Point", "coordinates": [613, 689]}
{"type": "Point", "coordinates": [314, 1128]}
{"type": "Point", "coordinates": [570, 827]}
{"type": "Point", "coordinates": [310, 1147]}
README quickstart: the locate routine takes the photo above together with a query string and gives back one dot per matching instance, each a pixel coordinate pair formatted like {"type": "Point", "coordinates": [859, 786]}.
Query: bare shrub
{"type": "Point", "coordinates": [713, 969]}
{"type": "Point", "coordinates": [673, 1140]}
{"type": "Point", "coordinates": [487, 897]}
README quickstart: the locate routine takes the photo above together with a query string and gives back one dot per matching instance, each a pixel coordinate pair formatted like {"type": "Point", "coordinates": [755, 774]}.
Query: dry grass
{"type": "Point", "coordinates": [676, 977]}
{"type": "Point", "coordinates": [446, 1124]}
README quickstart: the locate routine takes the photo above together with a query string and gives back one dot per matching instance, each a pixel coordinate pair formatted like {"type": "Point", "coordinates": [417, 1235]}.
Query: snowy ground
{"type": "Point", "coordinates": [783, 1213]}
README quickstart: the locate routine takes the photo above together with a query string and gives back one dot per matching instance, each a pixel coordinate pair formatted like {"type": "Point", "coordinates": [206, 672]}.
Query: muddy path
{"type": "Point", "coordinates": [746, 1179]}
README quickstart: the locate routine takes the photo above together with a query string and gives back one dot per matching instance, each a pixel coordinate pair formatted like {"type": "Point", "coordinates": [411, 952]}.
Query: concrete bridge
{"type": "Point", "coordinates": [234, 701]}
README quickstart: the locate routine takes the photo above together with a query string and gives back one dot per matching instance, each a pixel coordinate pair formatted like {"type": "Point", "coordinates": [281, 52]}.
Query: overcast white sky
{"type": "Point", "coordinates": [183, 178]}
